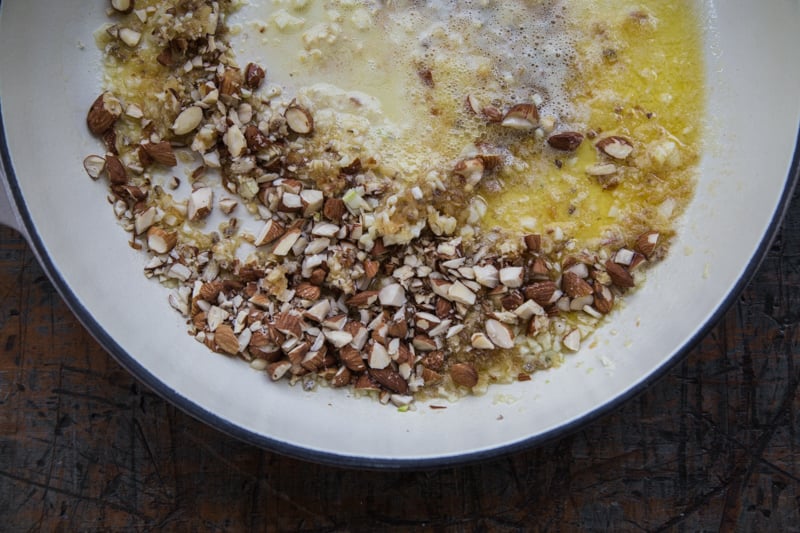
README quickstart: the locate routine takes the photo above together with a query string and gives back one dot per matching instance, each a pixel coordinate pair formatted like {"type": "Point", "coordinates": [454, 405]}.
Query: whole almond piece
{"type": "Point", "coordinates": [464, 374]}
{"type": "Point", "coordinates": [161, 152]}
{"type": "Point", "coordinates": [117, 174]}
{"type": "Point", "coordinates": [568, 141]}
{"type": "Point", "coordinates": [619, 275]}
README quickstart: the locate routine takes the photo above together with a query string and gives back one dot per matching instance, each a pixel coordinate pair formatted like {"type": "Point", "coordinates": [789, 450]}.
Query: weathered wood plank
{"type": "Point", "coordinates": [714, 445]}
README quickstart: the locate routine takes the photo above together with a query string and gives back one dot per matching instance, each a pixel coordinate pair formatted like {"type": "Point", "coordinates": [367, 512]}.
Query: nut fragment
{"type": "Point", "coordinates": [161, 152]}
{"type": "Point", "coordinates": [200, 203]}
{"type": "Point", "coordinates": [253, 76]}
{"type": "Point", "coordinates": [161, 241]}
{"type": "Point", "coordinates": [500, 334]}
{"type": "Point", "coordinates": [574, 286]}
{"type": "Point", "coordinates": [94, 166]}
{"type": "Point", "coordinates": [129, 36]}
{"type": "Point", "coordinates": [390, 379]}
{"type": "Point", "coordinates": [188, 120]}
{"type": "Point", "coordinates": [615, 146]}
{"type": "Point", "coordinates": [603, 298]}
{"type": "Point", "coordinates": [299, 119]}
{"type": "Point", "coordinates": [117, 174]}
{"type": "Point", "coordinates": [105, 110]}
{"type": "Point", "coordinates": [521, 117]}
{"type": "Point", "coordinates": [226, 339]}
{"type": "Point", "coordinates": [464, 375]}
{"type": "Point", "coordinates": [123, 6]}
{"type": "Point", "coordinates": [572, 340]}
{"type": "Point", "coordinates": [646, 243]}
{"type": "Point", "coordinates": [269, 232]}
{"type": "Point", "coordinates": [619, 275]}
{"type": "Point", "coordinates": [568, 141]}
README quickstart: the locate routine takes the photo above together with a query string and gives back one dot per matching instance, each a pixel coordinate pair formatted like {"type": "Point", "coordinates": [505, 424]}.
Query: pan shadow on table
{"type": "Point", "coordinates": [714, 445]}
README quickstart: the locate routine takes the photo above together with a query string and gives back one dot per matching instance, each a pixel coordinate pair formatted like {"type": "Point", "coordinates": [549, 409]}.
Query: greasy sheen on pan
{"type": "Point", "coordinates": [474, 232]}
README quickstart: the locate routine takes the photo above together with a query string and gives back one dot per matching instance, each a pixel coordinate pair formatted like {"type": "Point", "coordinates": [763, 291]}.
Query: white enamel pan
{"type": "Point", "coordinates": [49, 76]}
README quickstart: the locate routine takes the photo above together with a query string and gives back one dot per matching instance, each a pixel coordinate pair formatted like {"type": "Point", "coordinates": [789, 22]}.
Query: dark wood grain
{"type": "Point", "coordinates": [715, 445]}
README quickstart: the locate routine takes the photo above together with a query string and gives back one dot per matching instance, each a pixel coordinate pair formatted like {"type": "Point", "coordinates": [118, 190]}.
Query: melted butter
{"type": "Point", "coordinates": [639, 75]}
{"type": "Point", "coordinates": [636, 72]}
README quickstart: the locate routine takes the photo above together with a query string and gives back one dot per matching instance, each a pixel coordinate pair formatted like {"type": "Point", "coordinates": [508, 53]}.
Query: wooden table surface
{"type": "Point", "coordinates": [714, 445]}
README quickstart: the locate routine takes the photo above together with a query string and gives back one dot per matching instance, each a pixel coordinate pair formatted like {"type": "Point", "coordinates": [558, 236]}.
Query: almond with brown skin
{"type": "Point", "coordinates": [161, 241]}
{"type": "Point", "coordinates": [299, 119]}
{"type": "Point", "coordinates": [443, 307]}
{"type": "Point", "coordinates": [278, 369]}
{"type": "Point", "coordinates": [226, 340]}
{"type": "Point", "coordinates": [619, 275]}
{"type": "Point", "coordinates": [253, 76]}
{"type": "Point", "coordinates": [603, 299]}
{"type": "Point", "coordinates": [646, 243]}
{"type": "Point", "coordinates": [533, 243]}
{"type": "Point", "coordinates": [492, 114]}
{"type": "Point", "coordinates": [341, 378]}
{"type": "Point", "coordinates": [541, 292]}
{"type": "Point", "coordinates": [161, 152]}
{"type": "Point", "coordinates": [308, 291]}
{"type": "Point", "coordinates": [117, 174]}
{"type": "Point", "coordinates": [271, 231]}
{"type": "Point", "coordinates": [289, 324]}
{"type": "Point", "coordinates": [363, 299]}
{"type": "Point", "coordinates": [371, 268]}
{"type": "Point", "coordinates": [521, 117]}
{"type": "Point", "coordinates": [430, 377]}
{"type": "Point", "coordinates": [105, 110]}
{"type": "Point", "coordinates": [351, 358]}
{"type": "Point", "coordinates": [574, 286]}
{"type": "Point", "coordinates": [318, 276]}
{"type": "Point", "coordinates": [434, 360]}
{"type": "Point", "coordinates": [512, 300]}
{"type": "Point", "coordinates": [256, 140]}
{"type": "Point", "coordinates": [94, 166]}
{"type": "Point", "coordinates": [615, 146]}
{"type": "Point", "coordinates": [334, 209]}
{"type": "Point", "coordinates": [567, 141]}
{"type": "Point", "coordinates": [390, 379]}
{"type": "Point", "coordinates": [464, 374]}
{"type": "Point", "coordinates": [210, 290]}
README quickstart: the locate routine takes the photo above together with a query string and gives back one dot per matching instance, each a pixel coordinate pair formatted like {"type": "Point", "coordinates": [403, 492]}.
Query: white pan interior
{"type": "Point", "coordinates": [49, 75]}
